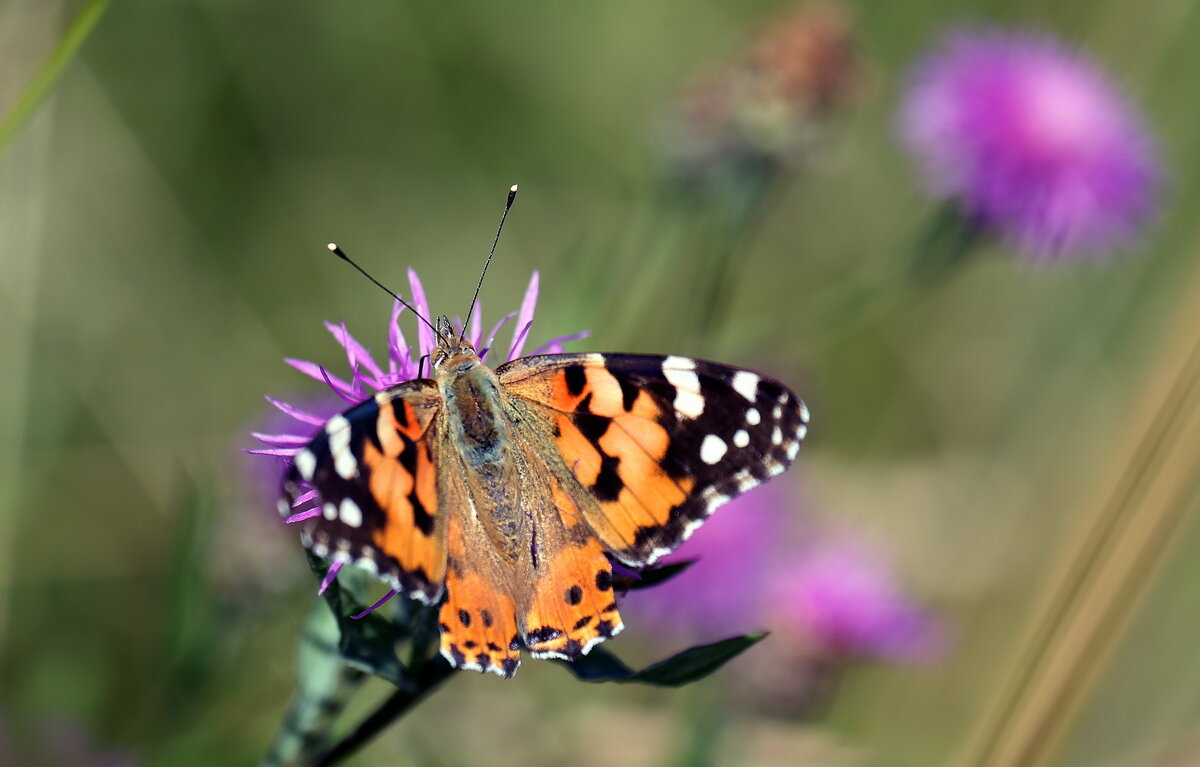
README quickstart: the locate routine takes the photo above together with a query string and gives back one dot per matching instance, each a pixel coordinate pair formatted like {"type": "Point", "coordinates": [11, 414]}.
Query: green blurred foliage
{"type": "Point", "coordinates": [164, 217]}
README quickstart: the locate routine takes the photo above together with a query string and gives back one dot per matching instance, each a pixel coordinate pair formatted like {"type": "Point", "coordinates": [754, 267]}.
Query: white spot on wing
{"type": "Point", "coordinates": [712, 449]}
{"type": "Point", "coordinates": [776, 436]}
{"type": "Point", "coordinates": [349, 513]}
{"type": "Point", "coordinates": [330, 511]}
{"type": "Point", "coordinates": [802, 432]}
{"type": "Point", "coordinates": [803, 412]}
{"type": "Point", "coordinates": [306, 464]}
{"type": "Point", "coordinates": [741, 438]}
{"type": "Point", "coordinates": [746, 384]}
{"type": "Point", "coordinates": [338, 429]}
{"type": "Point", "coordinates": [598, 639]}
{"type": "Point", "coordinates": [792, 449]}
{"type": "Point", "coordinates": [712, 499]}
{"type": "Point", "coordinates": [680, 372]}
{"type": "Point", "coordinates": [753, 417]}
{"type": "Point", "coordinates": [744, 480]}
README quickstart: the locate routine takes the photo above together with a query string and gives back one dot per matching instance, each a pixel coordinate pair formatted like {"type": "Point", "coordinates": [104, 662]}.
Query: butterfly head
{"type": "Point", "coordinates": [451, 347]}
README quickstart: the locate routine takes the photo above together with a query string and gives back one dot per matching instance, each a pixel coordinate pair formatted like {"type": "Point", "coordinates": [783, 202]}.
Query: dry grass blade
{"type": "Point", "coordinates": [1140, 504]}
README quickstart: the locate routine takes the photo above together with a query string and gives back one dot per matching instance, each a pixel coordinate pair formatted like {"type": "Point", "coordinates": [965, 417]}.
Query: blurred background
{"type": "Point", "coordinates": [1005, 451]}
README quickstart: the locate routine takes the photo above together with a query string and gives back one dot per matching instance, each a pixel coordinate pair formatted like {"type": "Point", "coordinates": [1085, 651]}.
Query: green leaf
{"type": "Point", "coordinates": [651, 576]}
{"type": "Point", "coordinates": [685, 667]}
{"type": "Point", "coordinates": [325, 684]}
{"type": "Point", "coordinates": [368, 643]}
{"type": "Point", "coordinates": [695, 663]}
{"type": "Point", "coordinates": [599, 665]}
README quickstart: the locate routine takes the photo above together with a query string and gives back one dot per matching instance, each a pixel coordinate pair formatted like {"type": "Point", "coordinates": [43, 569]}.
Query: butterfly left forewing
{"type": "Point", "coordinates": [373, 470]}
{"type": "Point", "coordinates": [654, 444]}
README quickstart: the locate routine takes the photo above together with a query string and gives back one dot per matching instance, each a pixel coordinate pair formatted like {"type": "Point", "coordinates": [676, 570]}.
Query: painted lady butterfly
{"type": "Point", "coordinates": [507, 492]}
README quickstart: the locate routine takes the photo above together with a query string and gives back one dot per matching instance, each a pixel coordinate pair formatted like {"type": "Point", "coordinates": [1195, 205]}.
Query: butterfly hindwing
{"type": "Point", "coordinates": [570, 605]}
{"type": "Point", "coordinates": [656, 443]}
{"type": "Point", "coordinates": [478, 622]}
{"type": "Point", "coordinates": [373, 469]}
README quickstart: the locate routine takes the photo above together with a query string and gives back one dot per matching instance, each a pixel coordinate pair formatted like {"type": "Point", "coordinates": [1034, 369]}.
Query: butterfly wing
{"type": "Point", "coordinates": [477, 621]}
{"type": "Point", "coordinates": [652, 445]}
{"type": "Point", "coordinates": [568, 605]}
{"type": "Point", "coordinates": [373, 468]}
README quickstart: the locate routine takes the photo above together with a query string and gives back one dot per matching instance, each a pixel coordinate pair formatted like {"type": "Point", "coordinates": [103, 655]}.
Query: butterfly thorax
{"type": "Point", "coordinates": [476, 423]}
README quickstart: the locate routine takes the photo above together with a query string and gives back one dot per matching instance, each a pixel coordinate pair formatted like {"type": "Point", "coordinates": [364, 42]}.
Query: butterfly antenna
{"type": "Point", "coordinates": [333, 248]}
{"type": "Point", "coordinates": [512, 195]}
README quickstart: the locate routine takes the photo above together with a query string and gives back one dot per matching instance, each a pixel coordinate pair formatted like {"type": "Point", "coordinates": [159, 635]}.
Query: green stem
{"type": "Point", "coordinates": [77, 33]}
{"type": "Point", "coordinates": [325, 685]}
{"type": "Point", "coordinates": [433, 674]}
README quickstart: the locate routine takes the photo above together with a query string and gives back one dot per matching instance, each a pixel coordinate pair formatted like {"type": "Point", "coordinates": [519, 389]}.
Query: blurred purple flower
{"type": "Point", "coordinates": [828, 598]}
{"type": "Point", "coordinates": [1033, 140]}
{"type": "Point", "coordinates": [723, 592]}
{"type": "Point", "coordinates": [843, 600]}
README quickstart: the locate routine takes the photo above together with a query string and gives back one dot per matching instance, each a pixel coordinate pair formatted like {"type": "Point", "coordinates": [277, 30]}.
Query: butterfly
{"type": "Point", "coordinates": [505, 495]}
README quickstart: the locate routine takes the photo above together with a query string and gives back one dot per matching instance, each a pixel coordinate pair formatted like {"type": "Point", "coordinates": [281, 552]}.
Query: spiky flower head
{"type": "Point", "coordinates": [1031, 140]}
{"type": "Point", "coordinates": [403, 362]}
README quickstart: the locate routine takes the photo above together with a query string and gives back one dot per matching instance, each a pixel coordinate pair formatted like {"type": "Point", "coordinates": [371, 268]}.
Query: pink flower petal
{"type": "Point", "coordinates": [297, 413]}
{"type": "Point", "coordinates": [475, 333]}
{"type": "Point", "coordinates": [281, 452]}
{"type": "Point", "coordinates": [524, 317]}
{"type": "Point", "coordinates": [304, 498]}
{"type": "Point", "coordinates": [355, 352]}
{"type": "Point", "coordinates": [519, 341]}
{"type": "Point", "coordinates": [382, 601]}
{"type": "Point", "coordinates": [300, 517]}
{"type": "Point", "coordinates": [424, 333]}
{"type": "Point", "coordinates": [318, 372]}
{"type": "Point", "coordinates": [281, 440]}
{"type": "Point", "coordinates": [555, 345]}
{"type": "Point", "coordinates": [330, 576]}
{"type": "Point", "coordinates": [492, 336]}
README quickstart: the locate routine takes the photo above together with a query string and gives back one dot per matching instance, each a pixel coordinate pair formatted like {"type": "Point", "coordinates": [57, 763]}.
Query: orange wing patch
{"type": "Point", "coordinates": [572, 606]}
{"type": "Point", "coordinates": [623, 473]}
{"type": "Point", "coordinates": [478, 620]}
{"type": "Point", "coordinates": [402, 481]}
{"type": "Point", "coordinates": [610, 436]}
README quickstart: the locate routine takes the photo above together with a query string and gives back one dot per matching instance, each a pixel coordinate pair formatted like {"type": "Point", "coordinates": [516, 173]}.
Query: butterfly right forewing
{"type": "Point", "coordinates": [654, 444]}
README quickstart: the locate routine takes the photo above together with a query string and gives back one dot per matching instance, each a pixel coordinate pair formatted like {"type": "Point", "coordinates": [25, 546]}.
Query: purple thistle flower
{"type": "Point", "coordinates": [842, 599]}
{"type": "Point", "coordinates": [368, 376]}
{"type": "Point", "coordinates": [1031, 139]}
{"type": "Point", "coordinates": [827, 598]}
